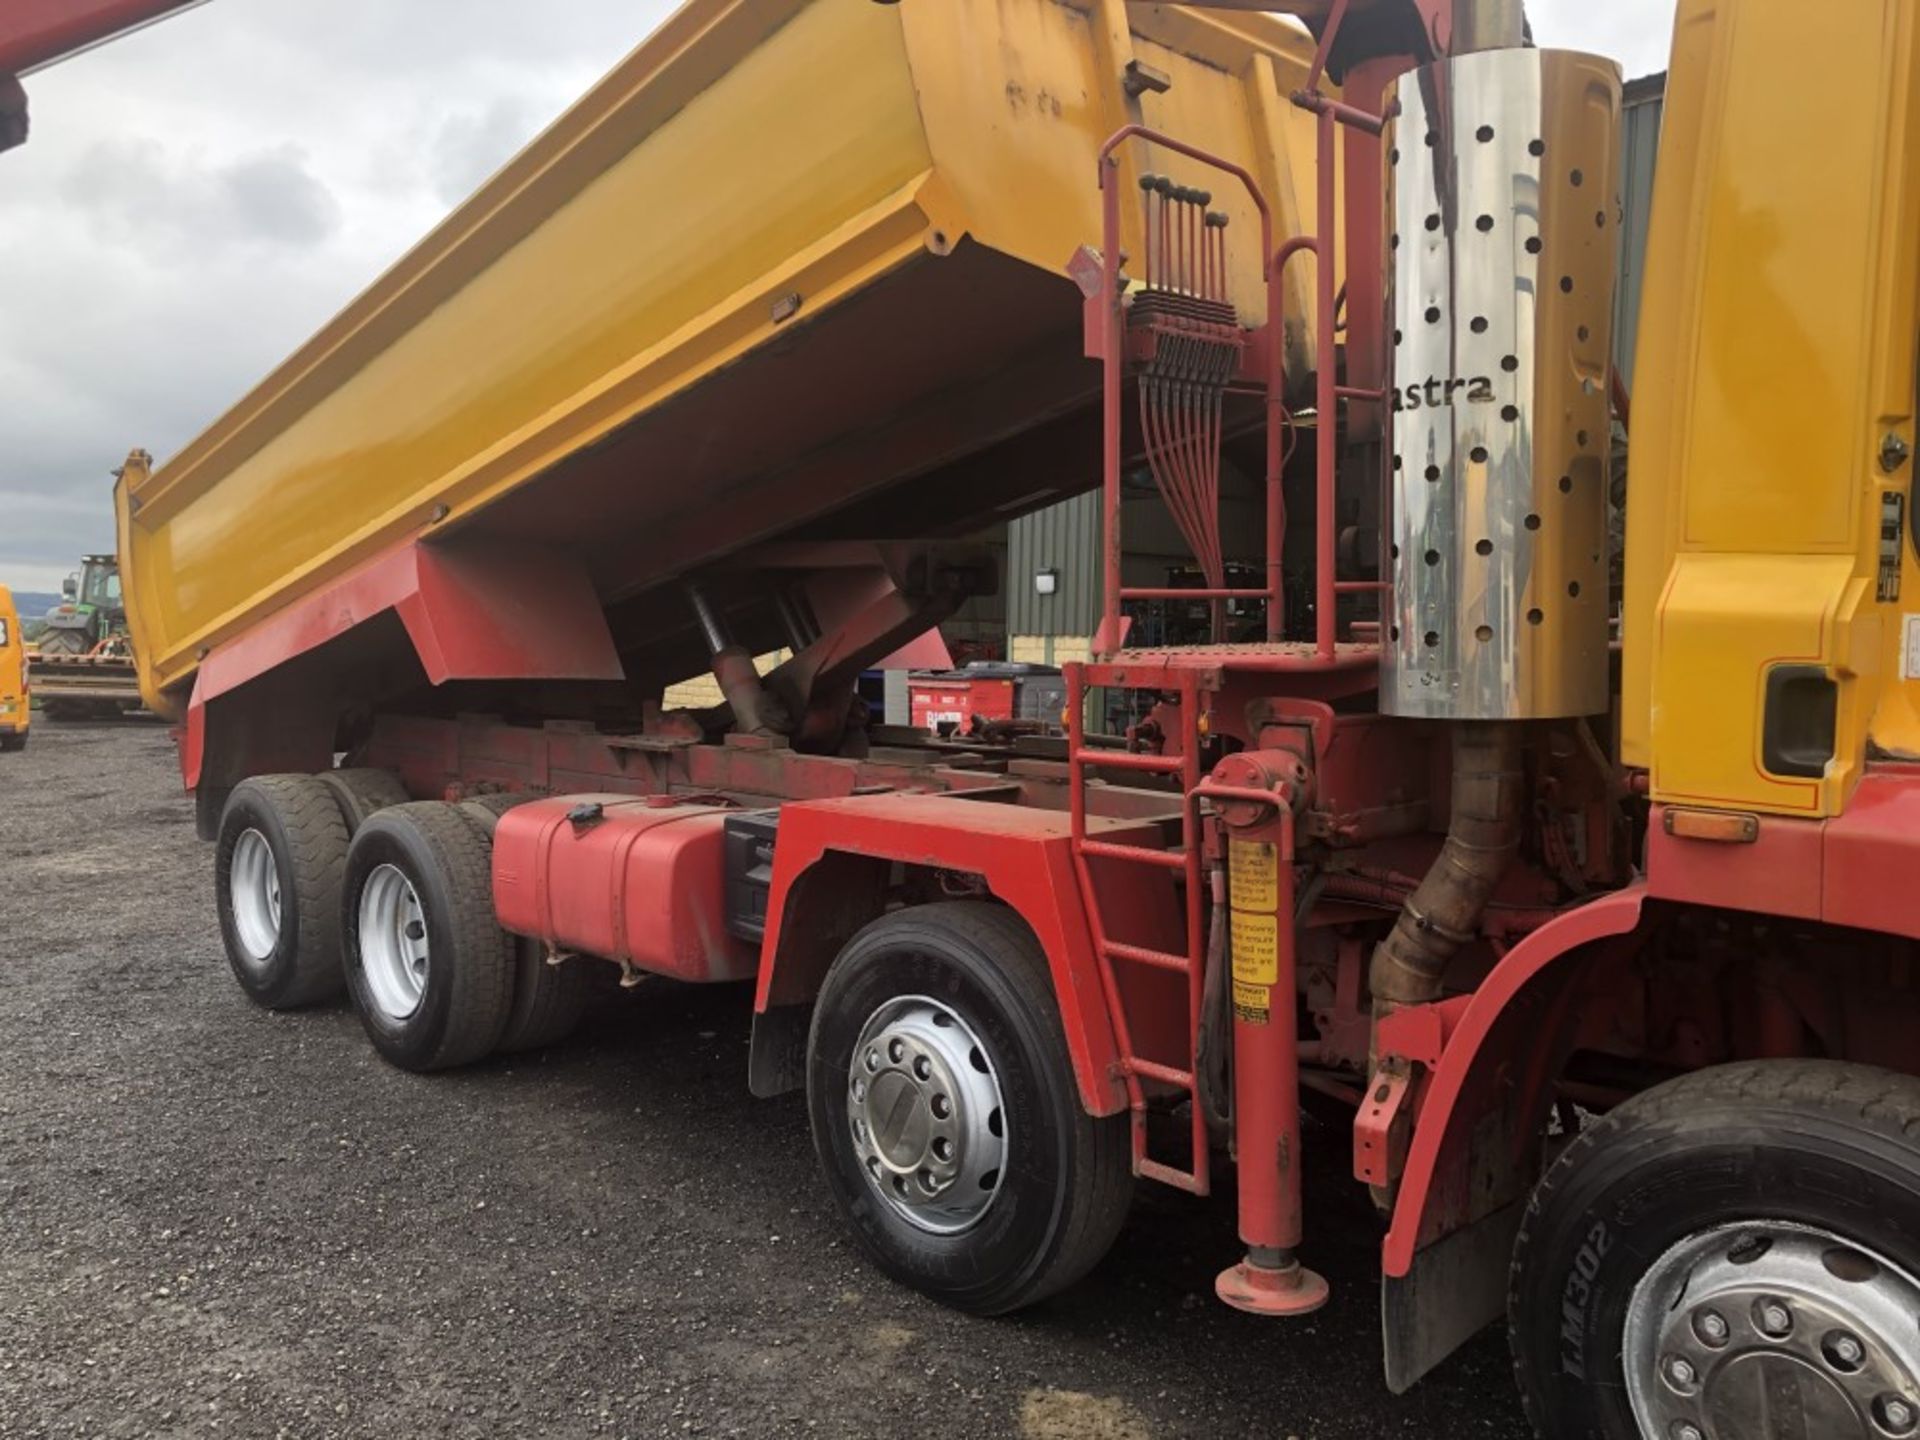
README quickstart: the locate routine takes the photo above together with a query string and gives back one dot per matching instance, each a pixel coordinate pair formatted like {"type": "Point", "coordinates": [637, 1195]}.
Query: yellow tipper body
{"type": "Point", "coordinates": [1773, 417]}
{"type": "Point", "coordinates": [779, 229]}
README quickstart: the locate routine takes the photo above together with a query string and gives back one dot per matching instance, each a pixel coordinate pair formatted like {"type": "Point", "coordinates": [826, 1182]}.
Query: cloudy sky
{"type": "Point", "coordinates": [198, 198]}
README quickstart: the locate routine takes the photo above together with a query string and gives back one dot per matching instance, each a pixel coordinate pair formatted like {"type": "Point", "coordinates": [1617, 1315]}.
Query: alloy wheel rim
{"type": "Point", "coordinates": [927, 1117]}
{"type": "Point", "coordinates": [394, 951]}
{"type": "Point", "coordinates": [1736, 1325]}
{"type": "Point", "coordinates": [254, 897]}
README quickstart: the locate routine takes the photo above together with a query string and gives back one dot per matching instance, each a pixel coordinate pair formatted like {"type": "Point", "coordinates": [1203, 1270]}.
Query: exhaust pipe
{"type": "Point", "coordinates": [1482, 836]}
{"type": "Point", "coordinates": [1488, 25]}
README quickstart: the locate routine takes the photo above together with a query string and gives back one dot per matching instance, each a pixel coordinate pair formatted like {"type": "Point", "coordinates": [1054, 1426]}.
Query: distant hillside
{"type": "Point", "coordinates": [32, 605]}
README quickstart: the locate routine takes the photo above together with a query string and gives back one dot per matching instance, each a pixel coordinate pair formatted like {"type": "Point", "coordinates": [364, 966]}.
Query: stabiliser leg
{"type": "Point", "coordinates": [1270, 1280]}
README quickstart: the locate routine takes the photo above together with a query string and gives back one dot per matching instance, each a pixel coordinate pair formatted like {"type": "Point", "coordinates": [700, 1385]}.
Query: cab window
{"type": "Point", "coordinates": [103, 588]}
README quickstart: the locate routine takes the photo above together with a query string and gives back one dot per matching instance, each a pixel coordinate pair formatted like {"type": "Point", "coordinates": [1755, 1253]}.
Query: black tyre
{"type": "Point", "coordinates": [13, 742]}
{"type": "Point", "coordinates": [279, 862]}
{"type": "Point", "coordinates": [486, 810]}
{"type": "Point", "coordinates": [946, 1116]}
{"type": "Point", "coordinates": [360, 792]}
{"type": "Point", "coordinates": [549, 1001]}
{"type": "Point", "coordinates": [429, 970]}
{"type": "Point", "coordinates": [1725, 1254]}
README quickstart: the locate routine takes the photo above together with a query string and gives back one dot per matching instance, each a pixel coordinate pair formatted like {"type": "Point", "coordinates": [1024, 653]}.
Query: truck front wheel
{"type": "Point", "coordinates": [1729, 1253]}
{"type": "Point", "coordinates": [278, 864]}
{"type": "Point", "coordinates": [945, 1113]}
{"type": "Point", "coordinates": [429, 969]}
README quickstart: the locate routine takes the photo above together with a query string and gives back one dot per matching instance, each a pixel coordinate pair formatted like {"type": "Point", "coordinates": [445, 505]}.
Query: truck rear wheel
{"type": "Point", "coordinates": [1733, 1250]}
{"type": "Point", "coordinates": [359, 792]}
{"type": "Point", "coordinates": [278, 867]}
{"type": "Point", "coordinates": [946, 1116]}
{"type": "Point", "coordinates": [430, 971]}
{"type": "Point", "coordinates": [549, 1001]}
{"type": "Point", "coordinates": [14, 742]}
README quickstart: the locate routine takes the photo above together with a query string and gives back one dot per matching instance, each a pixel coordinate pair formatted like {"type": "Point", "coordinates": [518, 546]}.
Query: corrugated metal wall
{"type": "Point", "coordinates": [1063, 537]}
{"type": "Point", "coordinates": [1645, 100]}
{"type": "Point", "coordinates": [1066, 537]}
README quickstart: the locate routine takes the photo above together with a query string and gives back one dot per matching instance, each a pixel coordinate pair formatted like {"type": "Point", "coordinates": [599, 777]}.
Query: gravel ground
{"type": "Point", "coordinates": [218, 1221]}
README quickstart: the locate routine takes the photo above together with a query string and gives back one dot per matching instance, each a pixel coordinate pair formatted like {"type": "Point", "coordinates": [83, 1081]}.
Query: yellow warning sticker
{"type": "Point", "coordinates": [1256, 949]}
{"type": "Point", "coordinates": [1252, 1003]}
{"type": "Point", "coordinates": [1253, 875]}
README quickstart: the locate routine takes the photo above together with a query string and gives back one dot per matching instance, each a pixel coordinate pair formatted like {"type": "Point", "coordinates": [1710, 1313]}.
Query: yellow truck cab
{"type": "Point", "coordinates": [13, 676]}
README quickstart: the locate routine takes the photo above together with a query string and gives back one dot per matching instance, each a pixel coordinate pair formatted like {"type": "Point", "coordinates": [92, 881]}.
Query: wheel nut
{"type": "Point", "coordinates": [1773, 1318]}
{"type": "Point", "coordinates": [1686, 1430]}
{"type": "Point", "coordinates": [1844, 1351]}
{"type": "Point", "coordinates": [1680, 1370]}
{"type": "Point", "coordinates": [1711, 1326]}
{"type": "Point", "coordinates": [1896, 1415]}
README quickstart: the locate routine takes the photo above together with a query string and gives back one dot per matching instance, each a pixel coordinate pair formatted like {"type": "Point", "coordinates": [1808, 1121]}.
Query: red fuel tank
{"type": "Point", "coordinates": [623, 877]}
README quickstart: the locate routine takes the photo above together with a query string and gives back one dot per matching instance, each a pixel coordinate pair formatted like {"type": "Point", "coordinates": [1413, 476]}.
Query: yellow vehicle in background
{"type": "Point", "coordinates": [14, 713]}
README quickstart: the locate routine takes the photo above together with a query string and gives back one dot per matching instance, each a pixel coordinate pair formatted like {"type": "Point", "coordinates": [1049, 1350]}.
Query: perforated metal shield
{"type": "Point", "coordinates": [1502, 217]}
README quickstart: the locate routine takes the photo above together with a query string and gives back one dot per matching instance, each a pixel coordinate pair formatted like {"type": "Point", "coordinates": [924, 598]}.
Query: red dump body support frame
{"type": "Point", "coordinates": [471, 611]}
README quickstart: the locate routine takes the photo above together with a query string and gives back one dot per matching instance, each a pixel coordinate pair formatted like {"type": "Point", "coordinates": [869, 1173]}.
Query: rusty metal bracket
{"type": "Point", "coordinates": [1373, 1126]}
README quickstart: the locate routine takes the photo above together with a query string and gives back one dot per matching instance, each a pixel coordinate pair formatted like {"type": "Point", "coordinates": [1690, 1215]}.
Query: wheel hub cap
{"type": "Point", "coordinates": [254, 890]}
{"type": "Point", "coordinates": [393, 942]}
{"type": "Point", "coordinates": [924, 1106]}
{"type": "Point", "coordinates": [1773, 1330]}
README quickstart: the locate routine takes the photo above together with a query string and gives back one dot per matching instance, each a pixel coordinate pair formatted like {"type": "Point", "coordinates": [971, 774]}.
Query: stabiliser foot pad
{"type": "Point", "coordinates": [1261, 1291]}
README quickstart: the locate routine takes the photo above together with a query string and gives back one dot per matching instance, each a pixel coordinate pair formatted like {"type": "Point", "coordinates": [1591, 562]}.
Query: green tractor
{"type": "Point", "coordinates": [84, 667]}
{"type": "Point", "coordinates": [92, 611]}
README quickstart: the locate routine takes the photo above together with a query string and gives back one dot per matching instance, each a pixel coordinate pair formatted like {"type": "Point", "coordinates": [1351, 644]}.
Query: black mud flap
{"type": "Point", "coordinates": [1455, 1289]}
{"type": "Point", "coordinates": [777, 1058]}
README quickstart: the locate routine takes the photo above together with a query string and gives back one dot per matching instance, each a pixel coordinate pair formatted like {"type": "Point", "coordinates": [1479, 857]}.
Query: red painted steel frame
{"type": "Point", "coordinates": [1331, 114]}
{"type": "Point", "coordinates": [1328, 587]}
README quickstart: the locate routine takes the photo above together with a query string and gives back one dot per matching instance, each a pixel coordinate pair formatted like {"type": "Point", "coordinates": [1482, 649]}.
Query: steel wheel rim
{"type": "Point", "coordinates": [253, 887]}
{"type": "Point", "coordinates": [926, 1115]}
{"type": "Point", "coordinates": [393, 942]}
{"type": "Point", "coordinates": [1741, 1318]}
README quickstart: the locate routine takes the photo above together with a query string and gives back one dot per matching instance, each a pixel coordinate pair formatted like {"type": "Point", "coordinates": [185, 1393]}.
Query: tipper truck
{"type": "Point", "coordinates": [1596, 911]}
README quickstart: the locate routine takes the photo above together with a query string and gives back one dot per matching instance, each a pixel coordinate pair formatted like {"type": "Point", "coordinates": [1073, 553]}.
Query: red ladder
{"type": "Point", "coordinates": [1110, 952]}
